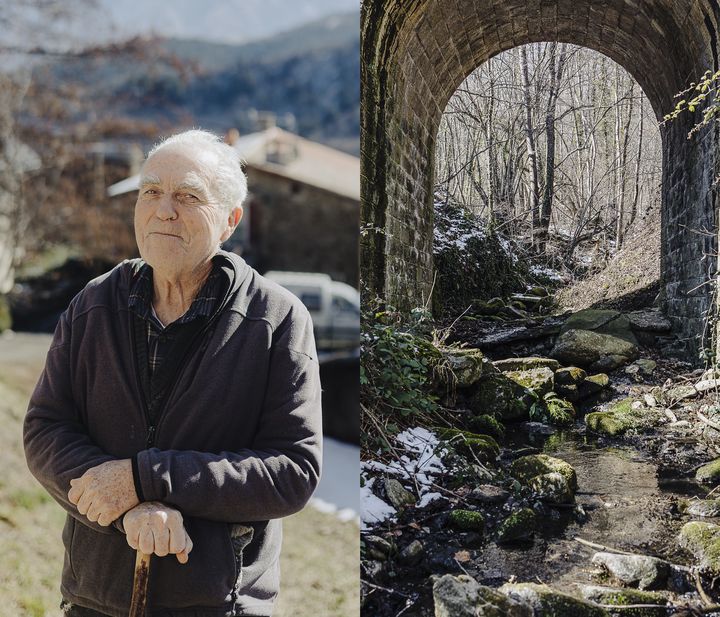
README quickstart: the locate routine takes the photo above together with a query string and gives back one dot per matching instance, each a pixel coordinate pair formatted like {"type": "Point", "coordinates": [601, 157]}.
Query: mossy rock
{"type": "Point", "coordinates": [559, 411]}
{"type": "Point", "coordinates": [518, 526]}
{"type": "Point", "coordinates": [466, 520]}
{"type": "Point", "coordinates": [619, 418]}
{"type": "Point", "coordinates": [606, 423]}
{"type": "Point", "coordinates": [703, 541]}
{"type": "Point", "coordinates": [552, 488]}
{"type": "Point", "coordinates": [547, 602]}
{"type": "Point", "coordinates": [526, 364]}
{"type": "Point", "coordinates": [486, 425]}
{"type": "Point", "coordinates": [570, 376]}
{"type": "Point", "coordinates": [500, 396]}
{"type": "Point", "coordinates": [527, 467]}
{"type": "Point", "coordinates": [484, 447]}
{"type": "Point", "coordinates": [467, 365]}
{"type": "Point", "coordinates": [463, 596]}
{"type": "Point", "coordinates": [488, 307]}
{"type": "Point", "coordinates": [624, 597]}
{"type": "Point", "coordinates": [397, 494]}
{"type": "Point", "coordinates": [596, 387]}
{"type": "Point", "coordinates": [709, 473]}
{"type": "Point", "coordinates": [539, 380]}
{"type": "Point", "coordinates": [594, 383]}
{"type": "Point", "coordinates": [601, 321]}
{"type": "Point", "coordinates": [599, 352]}
{"type": "Point", "coordinates": [707, 508]}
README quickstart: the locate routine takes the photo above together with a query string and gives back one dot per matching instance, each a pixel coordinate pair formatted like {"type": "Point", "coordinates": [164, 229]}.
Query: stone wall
{"type": "Point", "coordinates": [302, 228]}
{"type": "Point", "coordinates": [415, 53]}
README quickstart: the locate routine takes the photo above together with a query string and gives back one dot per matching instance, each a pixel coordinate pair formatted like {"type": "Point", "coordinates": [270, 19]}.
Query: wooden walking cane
{"type": "Point", "coordinates": [140, 582]}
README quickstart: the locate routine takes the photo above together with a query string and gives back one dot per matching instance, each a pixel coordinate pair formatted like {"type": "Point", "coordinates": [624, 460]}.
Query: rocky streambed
{"type": "Point", "coordinates": [561, 490]}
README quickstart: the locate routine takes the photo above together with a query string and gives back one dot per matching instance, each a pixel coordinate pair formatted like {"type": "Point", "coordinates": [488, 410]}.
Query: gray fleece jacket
{"type": "Point", "coordinates": [236, 446]}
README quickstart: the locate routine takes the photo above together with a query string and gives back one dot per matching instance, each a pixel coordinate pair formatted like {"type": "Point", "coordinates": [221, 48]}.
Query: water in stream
{"type": "Point", "coordinates": [626, 506]}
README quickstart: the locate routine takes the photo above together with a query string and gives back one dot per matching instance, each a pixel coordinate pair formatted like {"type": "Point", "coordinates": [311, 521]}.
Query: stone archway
{"type": "Point", "coordinates": [415, 53]}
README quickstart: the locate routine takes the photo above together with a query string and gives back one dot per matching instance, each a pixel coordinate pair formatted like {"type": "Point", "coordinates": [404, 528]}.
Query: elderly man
{"type": "Point", "coordinates": [179, 409]}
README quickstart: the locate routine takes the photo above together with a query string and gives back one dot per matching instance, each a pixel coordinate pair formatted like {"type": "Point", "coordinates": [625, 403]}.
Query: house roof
{"type": "Point", "coordinates": [283, 153]}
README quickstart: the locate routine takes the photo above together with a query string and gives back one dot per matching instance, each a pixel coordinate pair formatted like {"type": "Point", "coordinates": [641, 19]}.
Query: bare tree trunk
{"type": "Point", "coordinates": [636, 189]}
{"type": "Point", "coordinates": [530, 138]}
{"type": "Point", "coordinates": [557, 64]}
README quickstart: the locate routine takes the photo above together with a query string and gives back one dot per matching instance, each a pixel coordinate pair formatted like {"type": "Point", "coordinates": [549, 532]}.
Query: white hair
{"type": "Point", "coordinates": [228, 184]}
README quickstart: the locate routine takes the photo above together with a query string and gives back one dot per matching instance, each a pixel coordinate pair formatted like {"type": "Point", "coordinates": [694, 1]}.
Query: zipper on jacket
{"type": "Point", "coordinates": [150, 436]}
{"type": "Point", "coordinates": [153, 424]}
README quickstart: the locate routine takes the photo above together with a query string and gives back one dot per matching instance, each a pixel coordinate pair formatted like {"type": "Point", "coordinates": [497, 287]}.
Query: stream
{"type": "Point", "coordinates": [626, 505]}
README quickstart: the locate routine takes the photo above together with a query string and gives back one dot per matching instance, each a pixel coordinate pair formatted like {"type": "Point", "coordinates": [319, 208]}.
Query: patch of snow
{"type": "Point", "coordinates": [429, 498]}
{"type": "Point", "coordinates": [373, 509]}
{"type": "Point", "coordinates": [553, 275]}
{"type": "Point", "coordinates": [419, 465]}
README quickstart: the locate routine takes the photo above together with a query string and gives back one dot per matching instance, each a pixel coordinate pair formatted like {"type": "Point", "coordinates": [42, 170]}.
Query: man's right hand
{"type": "Point", "coordinates": [155, 528]}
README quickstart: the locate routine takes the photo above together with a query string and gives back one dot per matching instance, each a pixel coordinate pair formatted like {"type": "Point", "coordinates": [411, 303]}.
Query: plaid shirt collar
{"type": "Point", "coordinates": [206, 301]}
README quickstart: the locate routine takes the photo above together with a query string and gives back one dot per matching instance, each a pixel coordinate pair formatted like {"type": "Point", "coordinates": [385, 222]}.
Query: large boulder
{"type": "Point", "coordinates": [600, 321]}
{"type": "Point", "coordinates": [463, 596]}
{"type": "Point", "coordinates": [598, 352]}
{"type": "Point", "coordinates": [548, 602]}
{"type": "Point", "coordinates": [500, 396]}
{"type": "Point", "coordinates": [634, 570]}
{"type": "Point", "coordinates": [552, 488]}
{"type": "Point", "coordinates": [539, 380]}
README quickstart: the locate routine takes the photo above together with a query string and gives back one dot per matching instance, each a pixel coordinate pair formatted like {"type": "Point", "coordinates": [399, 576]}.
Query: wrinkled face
{"type": "Point", "coordinates": [178, 221]}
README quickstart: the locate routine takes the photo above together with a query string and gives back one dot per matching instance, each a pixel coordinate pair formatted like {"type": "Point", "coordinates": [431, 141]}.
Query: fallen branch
{"type": "Point", "coordinates": [707, 421]}
{"type": "Point", "coordinates": [602, 547]}
{"type": "Point", "coordinates": [698, 585]}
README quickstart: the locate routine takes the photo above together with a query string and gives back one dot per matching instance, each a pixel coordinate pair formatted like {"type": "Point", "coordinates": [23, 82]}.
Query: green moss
{"type": "Point", "coordinates": [526, 468]}
{"type": "Point", "coordinates": [703, 541]}
{"type": "Point", "coordinates": [487, 425]}
{"type": "Point", "coordinates": [501, 397]}
{"type": "Point", "coordinates": [601, 380]}
{"type": "Point", "coordinates": [483, 447]}
{"type": "Point", "coordinates": [709, 473]}
{"type": "Point", "coordinates": [517, 526]}
{"type": "Point", "coordinates": [539, 380]}
{"type": "Point", "coordinates": [619, 418]}
{"type": "Point", "coordinates": [606, 423]}
{"type": "Point", "coordinates": [624, 597]}
{"type": "Point", "coordinates": [467, 520]}
{"type": "Point", "coordinates": [622, 407]}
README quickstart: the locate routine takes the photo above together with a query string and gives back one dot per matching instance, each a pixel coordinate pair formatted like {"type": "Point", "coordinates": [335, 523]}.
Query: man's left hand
{"type": "Point", "coordinates": [104, 493]}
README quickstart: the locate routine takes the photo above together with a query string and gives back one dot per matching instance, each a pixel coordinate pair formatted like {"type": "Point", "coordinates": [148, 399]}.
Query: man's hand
{"type": "Point", "coordinates": [156, 528]}
{"type": "Point", "coordinates": [105, 492]}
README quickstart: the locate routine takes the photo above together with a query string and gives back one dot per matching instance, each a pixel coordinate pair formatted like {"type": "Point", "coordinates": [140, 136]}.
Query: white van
{"type": "Point", "coordinates": [334, 307]}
